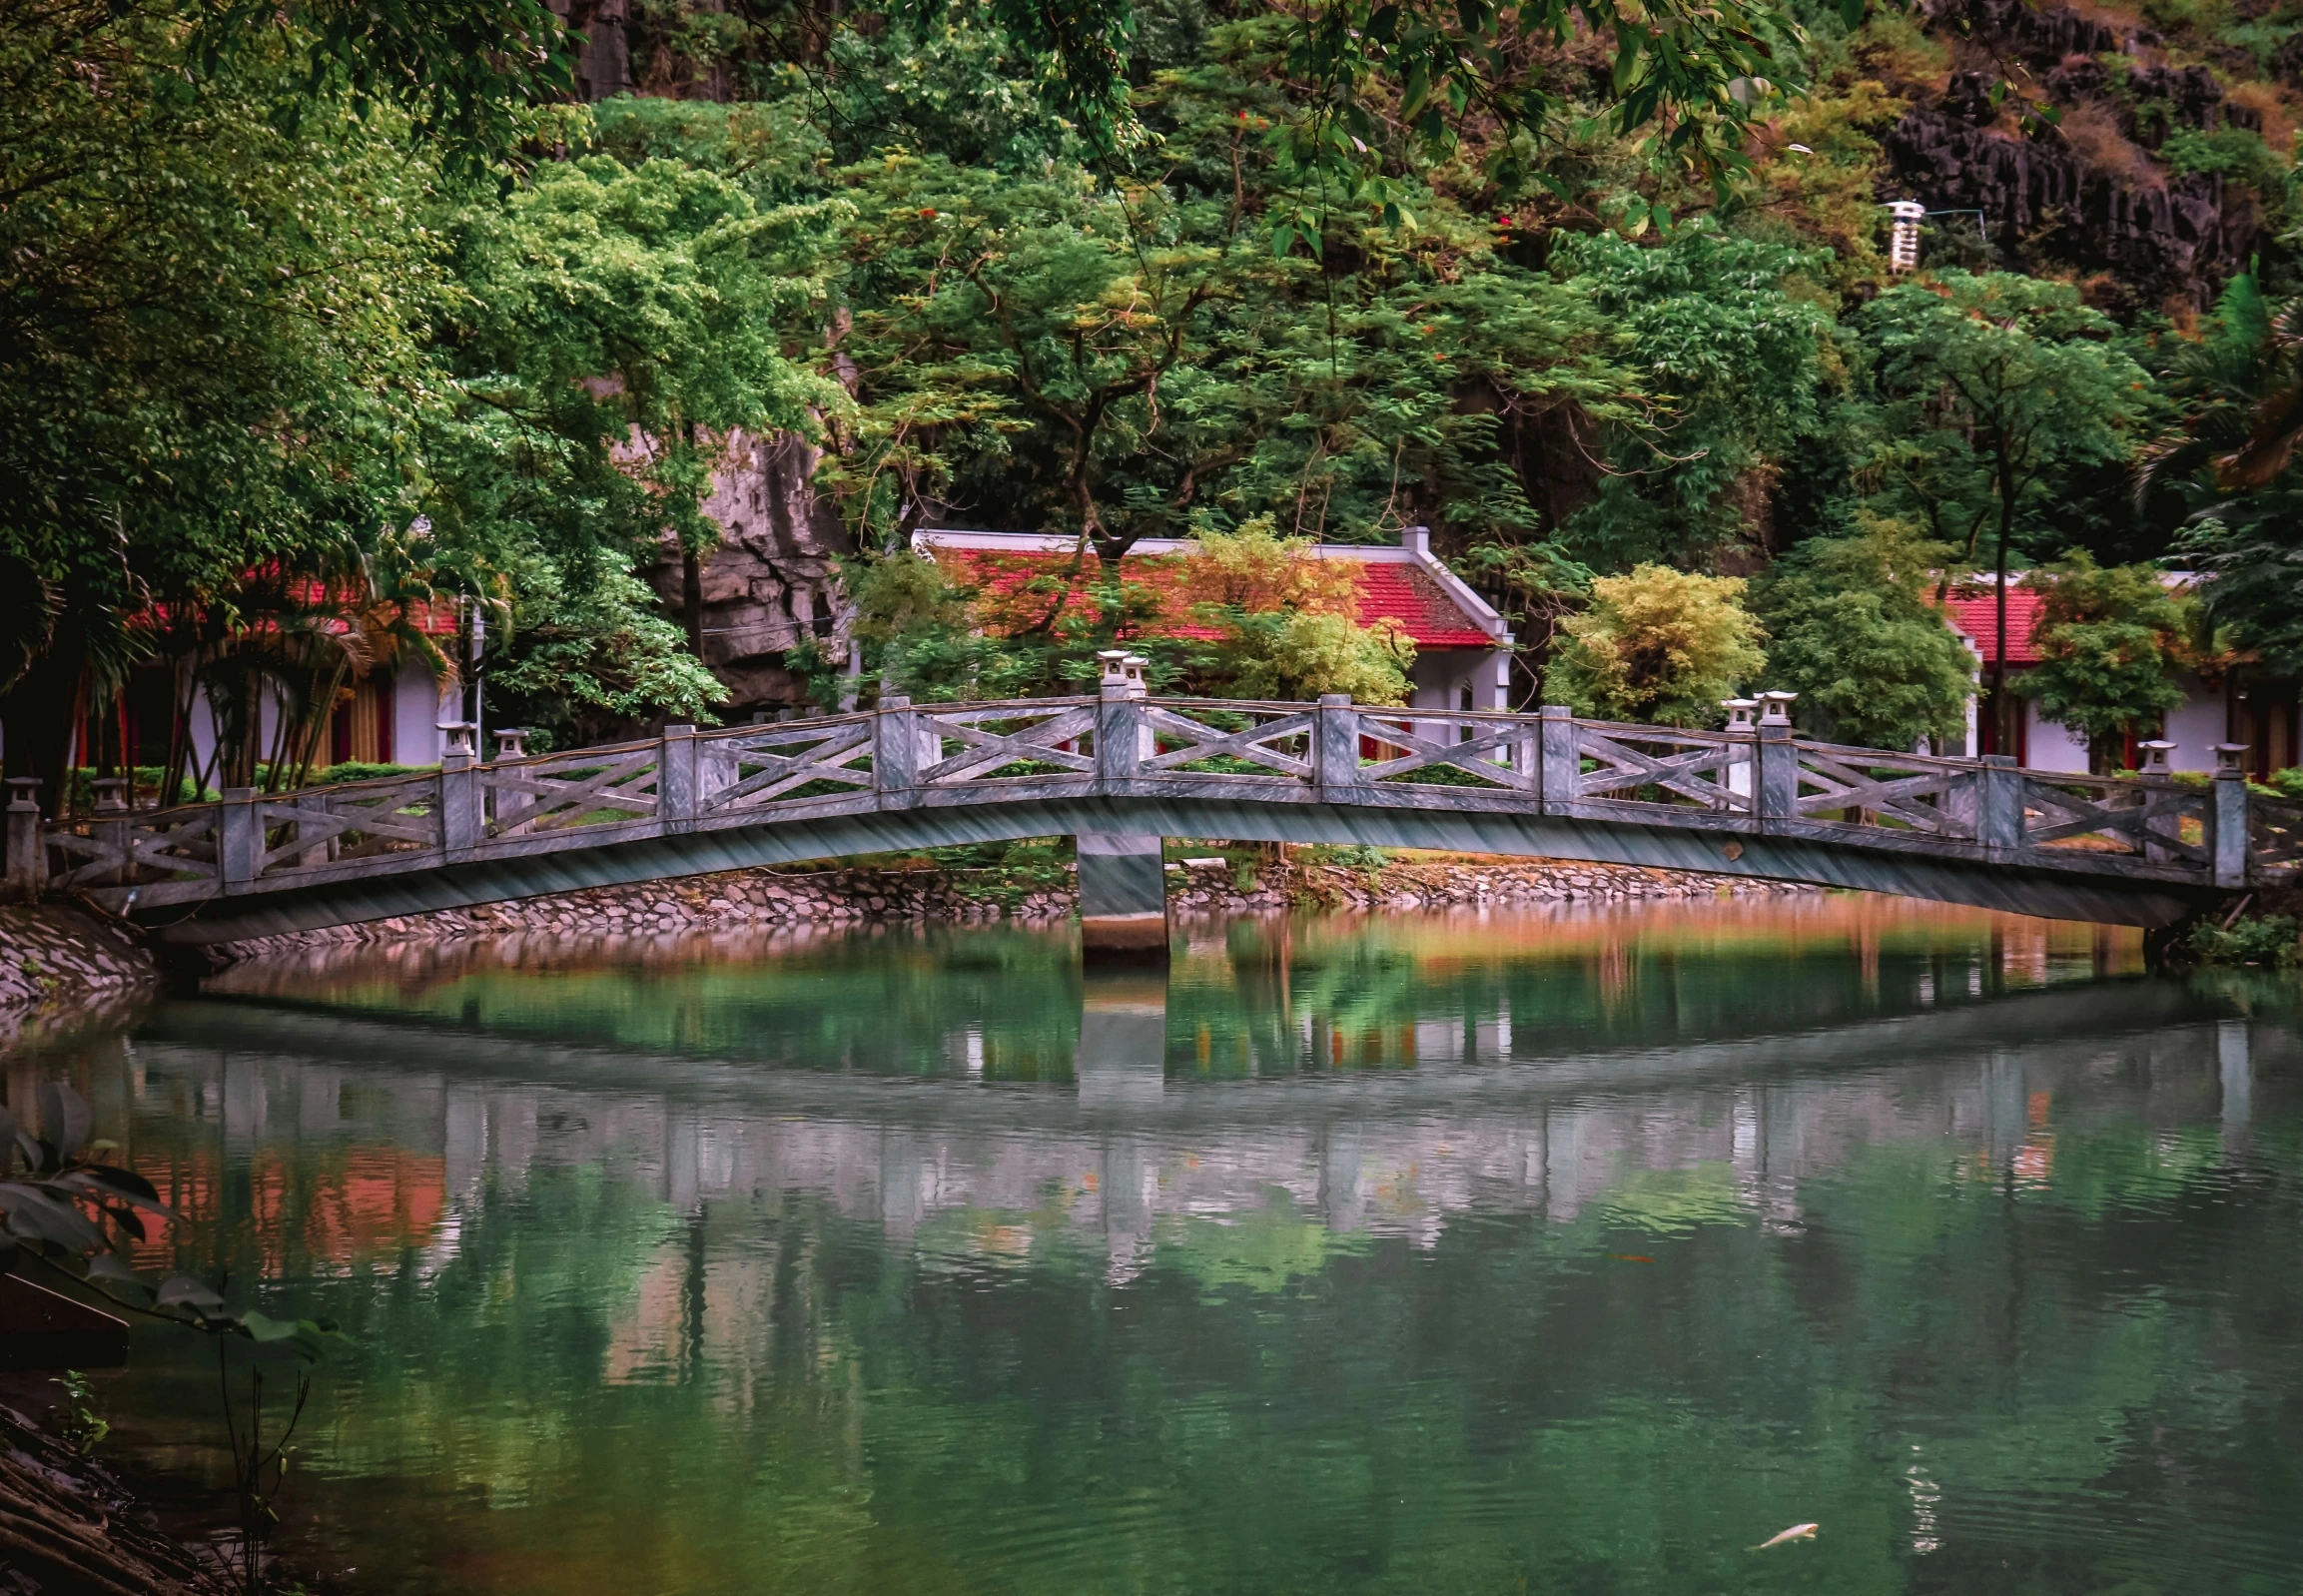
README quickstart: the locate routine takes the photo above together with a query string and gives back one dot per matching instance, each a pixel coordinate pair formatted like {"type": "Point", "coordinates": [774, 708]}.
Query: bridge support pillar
{"type": "Point", "coordinates": [1123, 878]}
{"type": "Point", "coordinates": [1122, 894]}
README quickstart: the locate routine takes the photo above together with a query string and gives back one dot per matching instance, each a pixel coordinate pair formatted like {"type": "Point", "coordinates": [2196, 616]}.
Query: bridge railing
{"type": "Point", "coordinates": [1747, 779]}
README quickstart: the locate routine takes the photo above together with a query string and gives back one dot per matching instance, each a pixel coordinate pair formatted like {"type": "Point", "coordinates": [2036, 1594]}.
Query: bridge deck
{"type": "Point", "coordinates": [1755, 800]}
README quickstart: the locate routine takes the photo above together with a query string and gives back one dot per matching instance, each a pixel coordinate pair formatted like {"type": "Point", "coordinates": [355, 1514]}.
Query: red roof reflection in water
{"type": "Point", "coordinates": [366, 1206]}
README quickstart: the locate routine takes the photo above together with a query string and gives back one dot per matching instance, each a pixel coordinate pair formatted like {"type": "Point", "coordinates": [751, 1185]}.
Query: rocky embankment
{"type": "Point", "coordinates": [61, 958]}
{"type": "Point", "coordinates": [769, 898]}
{"type": "Point", "coordinates": [69, 1527]}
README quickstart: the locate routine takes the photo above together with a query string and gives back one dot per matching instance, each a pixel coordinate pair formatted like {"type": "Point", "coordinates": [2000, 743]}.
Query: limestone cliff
{"type": "Point", "coordinates": [2089, 195]}
{"type": "Point", "coordinates": [772, 580]}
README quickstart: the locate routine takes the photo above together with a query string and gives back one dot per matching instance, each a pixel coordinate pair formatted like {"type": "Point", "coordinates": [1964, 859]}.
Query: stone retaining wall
{"type": "Point", "coordinates": [59, 958]}
{"type": "Point", "coordinates": [769, 898]}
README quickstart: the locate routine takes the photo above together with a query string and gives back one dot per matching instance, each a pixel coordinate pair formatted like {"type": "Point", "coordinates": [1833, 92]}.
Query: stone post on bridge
{"type": "Point", "coordinates": [1122, 879]}
{"type": "Point", "coordinates": [1558, 762]}
{"type": "Point", "coordinates": [1778, 764]}
{"type": "Point", "coordinates": [1336, 750]}
{"type": "Point", "coordinates": [678, 792]}
{"type": "Point", "coordinates": [895, 751]}
{"type": "Point", "coordinates": [27, 859]}
{"type": "Point", "coordinates": [2231, 817]}
{"type": "Point", "coordinates": [463, 822]}
{"type": "Point", "coordinates": [239, 838]}
{"type": "Point", "coordinates": [1999, 807]}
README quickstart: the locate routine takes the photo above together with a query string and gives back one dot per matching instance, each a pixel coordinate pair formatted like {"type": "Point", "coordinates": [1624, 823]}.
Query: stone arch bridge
{"type": "Point", "coordinates": [1754, 799]}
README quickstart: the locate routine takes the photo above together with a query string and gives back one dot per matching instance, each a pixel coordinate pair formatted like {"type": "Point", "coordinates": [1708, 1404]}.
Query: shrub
{"type": "Point", "coordinates": [1658, 645]}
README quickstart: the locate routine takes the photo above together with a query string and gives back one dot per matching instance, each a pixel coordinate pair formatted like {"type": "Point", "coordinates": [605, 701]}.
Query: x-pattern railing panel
{"type": "Point", "coordinates": [2141, 817]}
{"type": "Point", "coordinates": [1185, 740]}
{"type": "Point", "coordinates": [753, 770]}
{"type": "Point", "coordinates": [354, 821]}
{"type": "Point", "coordinates": [172, 845]}
{"type": "Point", "coordinates": [559, 791]}
{"type": "Point", "coordinates": [1696, 767]}
{"type": "Point", "coordinates": [1921, 792]}
{"type": "Point", "coordinates": [1054, 726]}
{"type": "Point", "coordinates": [2276, 840]}
{"type": "Point", "coordinates": [1476, 745]}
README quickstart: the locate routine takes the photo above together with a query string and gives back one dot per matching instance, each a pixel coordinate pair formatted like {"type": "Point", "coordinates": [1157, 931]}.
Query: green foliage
{"type": "Point", "coordinates": [1854, 630]}
{"type": "Point", "coordinates": [2252, 939]}
{"type": "Point", "coordinates": [1986, 391]}
{"type": "Point", "coordinates": [2110, 641]}
{"type": "Point", "coordinates": [81, 1427]}
{"type": "Point", "coordinates": [356, 770]}
{"type": "Point", "coordinates": [595, 651]}
{"type": "Point", "coordinates": [1737, 359]}
{"type": "Point", "coordinates": [1660, 646]}
{"type": "Point", "coordinates": [1297, 657]}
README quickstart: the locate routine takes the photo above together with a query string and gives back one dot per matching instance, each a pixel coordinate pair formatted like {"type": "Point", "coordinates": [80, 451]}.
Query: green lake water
{"type": "Point", "coordinates": [1560, 1252]}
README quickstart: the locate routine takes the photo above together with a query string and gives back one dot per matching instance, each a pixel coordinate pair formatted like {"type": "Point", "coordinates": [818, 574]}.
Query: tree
{"type": "Point", "coordinates": [2230, 458]}
{"type": "Point", "coordinates": [1731, 360]}
{"type": "Point", "coordinates": [1852, 630]}
{"type": "Point", "coordinates": [214, 273]}
{"type": "Point", "coordinates": [2109, 641]}
{"type": "Point", "coordinates": [1288, 621]}
{"type": "Point", "coordinates": [1988, 388]}
{"type": "Point", "coordinates": [1660, 646]}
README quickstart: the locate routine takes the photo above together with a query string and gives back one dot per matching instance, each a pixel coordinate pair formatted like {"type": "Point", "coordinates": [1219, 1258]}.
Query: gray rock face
{"type": "Point", "coordinates": [774, 578]}
{"type": "Point", "coordinates": [2043, 200]}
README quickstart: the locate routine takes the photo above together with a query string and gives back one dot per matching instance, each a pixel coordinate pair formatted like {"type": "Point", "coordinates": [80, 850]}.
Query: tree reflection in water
{"type": "Point", "coordinates": [916, 1260]}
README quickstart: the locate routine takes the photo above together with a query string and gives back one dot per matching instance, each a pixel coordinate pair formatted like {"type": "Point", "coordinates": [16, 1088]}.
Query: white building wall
{"type": "Point", "coordinates": [417, 711]}
{"type": "Point", "coordinates": [2198, 724]}
{"type": "Point", "coordinates": [2051, 746]}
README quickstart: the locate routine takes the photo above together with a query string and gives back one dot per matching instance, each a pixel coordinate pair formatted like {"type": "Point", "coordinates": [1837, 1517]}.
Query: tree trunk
{"type": "Point", "coordinates": [2002, 707]}
{"type": "Point", "coordinates": [692, 599]}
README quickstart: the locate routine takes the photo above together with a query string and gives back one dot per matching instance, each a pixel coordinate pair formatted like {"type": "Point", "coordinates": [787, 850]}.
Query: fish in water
{"type": "Point", "coordinates": [1631, 1257]}
{"type": "Point", "coordinates": [1798, 1532]}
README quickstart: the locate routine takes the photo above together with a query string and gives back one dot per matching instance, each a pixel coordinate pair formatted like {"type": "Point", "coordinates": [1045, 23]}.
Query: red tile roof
{"type": "Point", "coordinates": [431, 620]}
{"type": "Point", "coordinates": [1394, 591]}
{"type": "Point", "coordinates": [1975, 610]}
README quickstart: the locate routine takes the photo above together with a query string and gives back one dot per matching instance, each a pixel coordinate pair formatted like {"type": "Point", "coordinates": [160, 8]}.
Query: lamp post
{"type": "Point", "coordinates": [1904, 235]}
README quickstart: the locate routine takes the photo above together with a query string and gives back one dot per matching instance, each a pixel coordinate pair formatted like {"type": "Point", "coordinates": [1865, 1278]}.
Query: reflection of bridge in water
{"type": "Point", "coordinates": [1139, 1140]}
{"type": "Point", "coordinates": [1751, 800]}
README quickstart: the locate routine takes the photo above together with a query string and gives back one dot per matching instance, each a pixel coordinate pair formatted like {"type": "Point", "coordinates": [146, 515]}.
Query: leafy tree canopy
{"type": "Point", "coordinates": [2110, 641]}
{"type": "Point", "coordinates": [1854, 630]}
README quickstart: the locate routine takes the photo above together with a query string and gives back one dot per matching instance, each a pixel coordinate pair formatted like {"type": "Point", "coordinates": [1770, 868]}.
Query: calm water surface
{"type": "Point", "coordinates": [1543, 1253]}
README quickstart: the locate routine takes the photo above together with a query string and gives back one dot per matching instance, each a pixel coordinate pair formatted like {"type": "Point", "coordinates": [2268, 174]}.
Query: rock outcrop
{"type": "Point", "coordinates": [2053, 198]}
{"type": "Point", "coordinates": [773, 579]}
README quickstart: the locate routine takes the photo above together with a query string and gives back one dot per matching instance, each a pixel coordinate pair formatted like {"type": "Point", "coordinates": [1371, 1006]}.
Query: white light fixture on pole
{"type": "Point", "coordinates": [1904, 235]}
